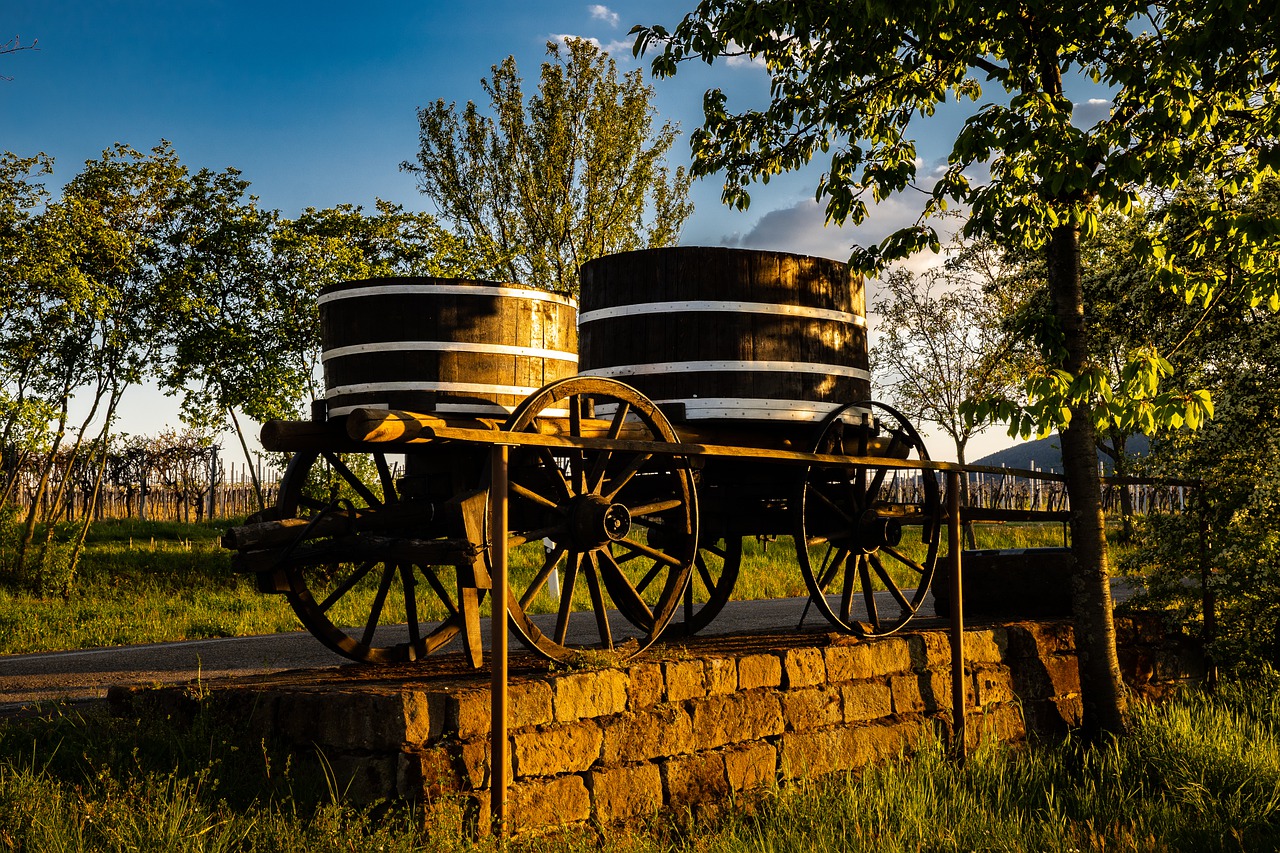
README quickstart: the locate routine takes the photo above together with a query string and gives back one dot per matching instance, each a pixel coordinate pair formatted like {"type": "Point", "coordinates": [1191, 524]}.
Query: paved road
{"type": "Point", "coordinates": [86, 675]}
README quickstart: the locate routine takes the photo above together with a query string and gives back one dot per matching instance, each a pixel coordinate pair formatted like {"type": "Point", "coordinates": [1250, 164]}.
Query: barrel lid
{"type": "Point", "coordinates": [428, 285]}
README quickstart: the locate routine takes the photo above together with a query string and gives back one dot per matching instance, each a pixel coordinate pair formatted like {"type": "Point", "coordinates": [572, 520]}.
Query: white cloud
{"type": "Point", "coordinates": [1090, 112]}
{"type": "Point", "coordinates": [738, 59]}
{"type": "Point", "coordinates": [801, 228]}
{"type": "Point", "coordinates": [619, 49]}
{"type": "Point", "coordinates": [603, 13]}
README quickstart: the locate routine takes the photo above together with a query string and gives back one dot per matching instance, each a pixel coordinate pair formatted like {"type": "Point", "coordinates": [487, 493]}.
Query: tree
{"type": "Point", "coordinates": [541, 188]}
{"type": "Point", "coordinates": [1194, 94]}
{"type": "Point", "coordinates": [939, 344]}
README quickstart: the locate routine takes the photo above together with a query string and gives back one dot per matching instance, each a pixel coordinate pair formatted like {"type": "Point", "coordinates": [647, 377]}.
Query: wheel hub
{"type": "Point", "coordinates": [875, 531]}
{"type": "Point", "coordinates": [595, 521]}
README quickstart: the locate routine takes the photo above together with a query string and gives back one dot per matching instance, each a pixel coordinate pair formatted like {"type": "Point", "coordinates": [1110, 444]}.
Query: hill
{"type": "Point", "coordinates": [1045, 454]}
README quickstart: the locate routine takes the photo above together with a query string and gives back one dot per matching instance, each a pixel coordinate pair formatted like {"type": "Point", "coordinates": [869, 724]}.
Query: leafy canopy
{"type": "Point", "coordinates": [1193, 90]}
{"type": "Point", "coordinates": [543, 187]}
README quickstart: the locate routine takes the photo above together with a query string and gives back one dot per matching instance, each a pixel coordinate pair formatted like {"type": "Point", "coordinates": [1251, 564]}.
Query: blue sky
{"type": "Point", "coordinates": [315, 102]}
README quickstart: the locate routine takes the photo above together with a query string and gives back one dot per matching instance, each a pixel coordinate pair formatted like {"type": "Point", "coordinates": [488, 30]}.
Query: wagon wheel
{"type": "Point", "coordinates": [715, 571]}
{"type": "Point", "coordinates": [853, 538]}
{"type": "Point", "coordinates": [622, 524]}
{"type": "Point", "coordinates": [372, 607]}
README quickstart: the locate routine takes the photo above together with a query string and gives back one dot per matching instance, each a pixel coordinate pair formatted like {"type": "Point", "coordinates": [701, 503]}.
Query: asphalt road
{"type": "Point", "coordinates": [77, 676]}
{"type": "Point", "coordinates": [86, 675]}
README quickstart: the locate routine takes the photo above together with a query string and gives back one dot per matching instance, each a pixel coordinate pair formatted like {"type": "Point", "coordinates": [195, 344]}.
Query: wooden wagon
{"type": "Point", "coordinates": [716, 395]}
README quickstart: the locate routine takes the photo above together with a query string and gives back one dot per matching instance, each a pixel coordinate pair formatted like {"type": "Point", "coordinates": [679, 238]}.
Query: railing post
{"type": "Point", "coordinates": [498, 647]}
{"type": "Point", "coordinates": [958, 728]}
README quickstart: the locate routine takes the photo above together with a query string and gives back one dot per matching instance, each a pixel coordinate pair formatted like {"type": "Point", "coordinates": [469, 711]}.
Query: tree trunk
{"type": "Point", "coordinates": [1101, 688]}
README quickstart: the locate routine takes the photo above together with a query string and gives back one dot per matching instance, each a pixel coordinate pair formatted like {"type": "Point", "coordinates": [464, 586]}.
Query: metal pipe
{"type": "Point", "coordinates": [498, 647]}
{"type": "Point", "coordinates": [958, 728]}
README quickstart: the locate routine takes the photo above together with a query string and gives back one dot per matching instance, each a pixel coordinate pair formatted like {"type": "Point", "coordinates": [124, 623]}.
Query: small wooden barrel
{"type": "Point", "coordinates": [727, 334]}
{"type": "Point", "coordinates": [444, 346]}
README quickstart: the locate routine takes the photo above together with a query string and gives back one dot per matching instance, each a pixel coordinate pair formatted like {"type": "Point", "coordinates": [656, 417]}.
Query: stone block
{"type": "Point", "coordinates": [620, 794]}
{"type": "Point", "coordinates": [721, 675]}
{"type": "Point", "coordinates": [812, 708]}
{"type": "Point", "coordinates": [875, 744]}
{"type": "Point", "coordinates": [1003, 723]}
{"type": "Point", "coordinates": [545, 803]}
{"type": "Point", "coordinates": [869, 659]}
{"type": "Point", "coordinates": [992, 687]}
{"type": "Point", "coordinates": [685, 679]}
{"type": "Point", "coordinates": [580, 695]}
{"type": "Point", "coordinates": [424, 775]}
{"type": "Point", "coordinates": [752, 766]}
{"type": "Point", "coordinates": [866, 700]}
{"type": "Point", "coordinates": [720, 720]}
{"type": "Point", "coordinates": [930, 650]}
{"type": "Point", "coordinates": [1041, 639]}
{"type": "Point", "coordinates": [468, 713]}
{"type": "Point", "coordinates": [759, 671]}
{"type": "Point", "coordinates": [815, 753]}
{"type": "Point", "coordinates": [528, 704]}
{"type": "Point", "coordinates": [556, 749]}
{"type": "Point", "coordinates": [982, 647]}
{"type": "Point", "coordinates": [803, 668]}
{"type": "Point", "coordinates": [471, 763]}
{"type": "Point", "coordinates": [361, 779]}
{"type": "Point", "coordinates": [644, 685]}
{"type": "Point", "coordinates": [694, 779]}
{"type": "Point", "coordinates": [920, 693]}
{"type": "Point", "coordinates": [351, 720]}
{"type": "Point", "coordinates": [658, 732]}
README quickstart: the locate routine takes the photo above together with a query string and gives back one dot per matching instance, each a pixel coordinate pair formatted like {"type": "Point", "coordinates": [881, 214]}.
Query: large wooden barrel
{"type": "Point", "coordinates": [447, 346]}
{"type": "Point", "coordinates": [727, 334]}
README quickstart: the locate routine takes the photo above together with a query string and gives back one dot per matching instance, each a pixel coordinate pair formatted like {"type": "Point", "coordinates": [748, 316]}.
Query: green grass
{"type": "Point", "coordinates": [1201, 773]}
{"type": "Point", "coordinates": [145, 582]}
{"type": "Point", "coordinates": [142, 583]}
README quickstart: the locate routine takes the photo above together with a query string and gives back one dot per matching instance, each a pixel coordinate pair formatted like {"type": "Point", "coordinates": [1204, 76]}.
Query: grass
{"type": "Point", "coordinates": [1200, 773]}
{"type": "Point", "coordinates": [147, 582]}
{"type": "Point", "coordinates": [143, 582]}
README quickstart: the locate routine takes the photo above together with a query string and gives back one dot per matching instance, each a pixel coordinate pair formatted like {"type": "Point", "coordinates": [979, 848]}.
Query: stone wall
{"type": "Point", "coordinates": [685, 726]}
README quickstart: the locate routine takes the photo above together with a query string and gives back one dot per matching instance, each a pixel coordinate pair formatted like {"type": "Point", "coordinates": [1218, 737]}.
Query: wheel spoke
{"type": "Point", "coordinates": [650, 552]}
{"type": "Point", "coordinates": [703, 572]}
{"type": "Point", "coordinates": [548, 566]}
{"type": "Point", "coordinates": [384, 477]}
{"type": "Point", "coordinates": [619, 482]}
{"type": "Point", "coordinates": [597, 601]}
{"type": "Point", "coordinates": [410, 603]}
{"type": "Point", "coordinates": [352, 480]}
{"type": "Point", "coordinates": [596, 479]}
{"type": "Point", "coordinates": [566, 595]}
{"type": "Point", "coordinates": [375, 612]}
{"type": "Point", "coordinates": [831, 561]}
{"type": "Point", "coordinates": [847, 588]}
{"type": "Point", "coordinates": [533, 497]}
{"type": "Point", "coordinates": [655, 508]}
{"type": "Point", "coordinates": [345, 587]}
{"type": "Point", "coordinates": [620, 589]}
{"type": "Point", "coordinates": [654, 571]}
{"type": "Point", "coordinates": [904, 559]}
{"type": "Point", "coordinates": [889, 584]}
{"type": "Point", "coordinates": [869, 593]}
{"type": "Point", "coordinates": [438, 588]}
{"type": "Point", "coordinates": [848, 519]}
{"type": "Point", "coordinates": [877, 481]}
{"type": "Point", "coordinates": [555, 531]}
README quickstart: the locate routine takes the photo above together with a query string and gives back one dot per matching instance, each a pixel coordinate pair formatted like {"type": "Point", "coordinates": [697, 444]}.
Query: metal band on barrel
{"type": "Point", "coordinates": [418, 385]}
{"type": "Point", "coordinates": [729, 366]}
{"type": "Point", "coordinates": [802, 311]}
{"type": "Point", "coordinates": [445, 290]}
{"type": "Point", "coordinates": [751, 408]}
{"type": "Point", "coordinates": [447, 346]}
